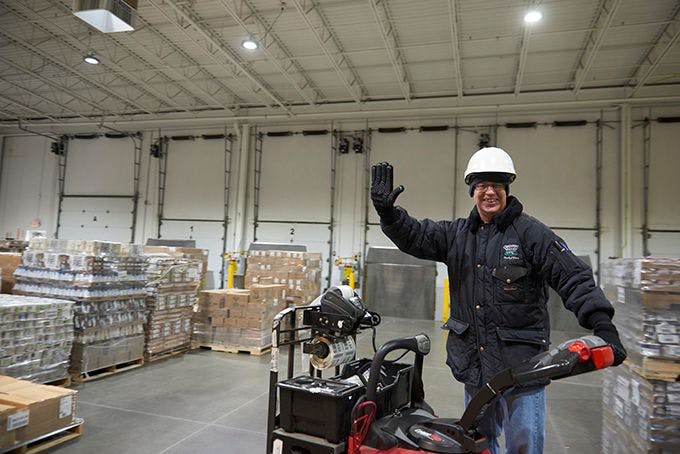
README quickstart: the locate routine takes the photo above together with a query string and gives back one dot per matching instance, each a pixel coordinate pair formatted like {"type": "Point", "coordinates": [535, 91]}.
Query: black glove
{"type": "Point", "coordinates": [605, 329]}
{"type": "Point", "coordinates": [382, 194]}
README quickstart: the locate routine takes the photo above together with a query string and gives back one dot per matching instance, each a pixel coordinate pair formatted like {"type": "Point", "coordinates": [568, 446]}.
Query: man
{"type": "Point", "coordinates": [500, 262]}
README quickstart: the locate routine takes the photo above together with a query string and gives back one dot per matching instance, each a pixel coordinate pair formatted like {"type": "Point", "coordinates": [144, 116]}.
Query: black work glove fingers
{"type": "Point", "coordinates": [389, 174]}
{"type": "Point", "coordinates": [394, 194]}
{"type": "Point", "coordinates": [611, 336]}
{"type": "Point", "coordinates": [382, 193]}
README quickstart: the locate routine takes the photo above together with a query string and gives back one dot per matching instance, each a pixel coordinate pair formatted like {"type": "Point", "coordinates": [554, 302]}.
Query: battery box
{"type": "Point", "coordinates": [322, 407]}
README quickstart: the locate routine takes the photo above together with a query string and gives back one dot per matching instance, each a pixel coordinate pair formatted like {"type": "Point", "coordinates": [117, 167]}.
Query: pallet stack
{"type": "Point", "coordinates": [35, 338]}
{"type": "Point", "coordinates": [298, 272]}
{"type": "Point", "coordinates": [643, 395]}
{"type": "Point", "coordinates": [172, 288]}
{"type": "Point", "coordinates": [106, 282]}
{"type": "Point", "coordinates": [237, 320]}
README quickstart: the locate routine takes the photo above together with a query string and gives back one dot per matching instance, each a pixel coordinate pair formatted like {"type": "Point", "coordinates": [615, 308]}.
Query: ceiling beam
{"type": "Point", "coordinates": [453, 19]}
{"type": "Point", "coordinates": [162, 66]}
{"type": "Point", "coordinates": [521, 64]}
{"type": "Point", "coordinates": [271, 45]}
{"type": "Point", "coordinates": [97, 107]}
{"type": "Point", "coordinates": [657, 52]}
{"type": "Point", "coordinates": [65, 37]}
{"type": "Point", "coordinates": [25, 107]}
{"type": "Point", "coordinates": [215, 45]}
{"type": "Point", "coordinates": [42, 98]}
{"type": "Point", "coordinates": [389, 36]}
{"type": "Point", "coordinates": [67, 69]}
{"type": "Point", "coordinates": [326, 39]}
{"type": "Point", "coordinates": [602, 24]}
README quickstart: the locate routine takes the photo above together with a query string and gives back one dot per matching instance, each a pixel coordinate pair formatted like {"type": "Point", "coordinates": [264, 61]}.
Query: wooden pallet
{"type": "Point", "coordinates": [51, 440]}
{"type": "Point", "coordinates": [657, 369]}
{"type": "Point", "coordinates": [96, 374]}
{"type": "Point", "coordinates": [257, 351]}
{"type": "Point", "coordinates": [63, 382]}
{"type": "Point", "coordinates": [151, 357]}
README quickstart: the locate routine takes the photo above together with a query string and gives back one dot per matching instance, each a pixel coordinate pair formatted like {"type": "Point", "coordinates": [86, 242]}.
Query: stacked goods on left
{"type": "Point", "coordinates": [35, 337]}
{"type": "Point", "coordinates": [106, 281]}
{"type": "Point", "coordinates": [29, 411]}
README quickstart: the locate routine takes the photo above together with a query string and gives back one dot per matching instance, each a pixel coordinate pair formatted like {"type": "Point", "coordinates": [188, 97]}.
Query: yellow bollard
{"type": "Point", "coordinates": [348, 276]}
{"type": "Point", "coordinates": [231, 270]}
{"type": "Point", "coordinates": [446, 308]}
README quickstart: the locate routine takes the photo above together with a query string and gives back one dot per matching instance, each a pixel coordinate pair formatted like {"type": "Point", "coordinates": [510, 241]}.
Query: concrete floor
{"type": "Point", "coordinates": [212, 402]}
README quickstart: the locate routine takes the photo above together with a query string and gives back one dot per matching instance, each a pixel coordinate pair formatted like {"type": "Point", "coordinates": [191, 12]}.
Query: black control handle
{"type": "Point", "coordinates": [420, 344]}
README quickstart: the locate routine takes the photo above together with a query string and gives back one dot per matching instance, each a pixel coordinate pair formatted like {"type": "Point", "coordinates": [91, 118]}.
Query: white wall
{"type": "Point", "coordinates": [556, 182]}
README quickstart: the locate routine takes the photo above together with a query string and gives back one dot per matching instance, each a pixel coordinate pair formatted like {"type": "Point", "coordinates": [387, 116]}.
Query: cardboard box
{"type": "Point", "coordinates": [8, 422]}
{"type": "Point", "coordinates": [38, 410]}
{"type": "Point", "coordinates": [9, 261]}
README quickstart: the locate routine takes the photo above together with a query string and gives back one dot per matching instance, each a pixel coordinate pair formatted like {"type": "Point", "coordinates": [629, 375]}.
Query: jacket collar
{"type": "Point", "coordinates": [512, 210]}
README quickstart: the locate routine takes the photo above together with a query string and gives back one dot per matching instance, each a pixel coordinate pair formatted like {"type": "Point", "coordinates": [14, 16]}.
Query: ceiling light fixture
{"type": "Point", "coordinates": [91, 59]}
{"type": "Point", "coordinates": [533, 16]}
{"type": "Point", "coordinates": [249, 44]}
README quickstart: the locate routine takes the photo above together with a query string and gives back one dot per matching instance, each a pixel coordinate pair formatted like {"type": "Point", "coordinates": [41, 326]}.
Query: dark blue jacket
{"type": "Point", "coordinates": [498, 279]}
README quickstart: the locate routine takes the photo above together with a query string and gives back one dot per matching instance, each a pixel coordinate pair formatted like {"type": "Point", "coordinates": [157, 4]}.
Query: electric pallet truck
{"type": "Point", "coordinates": [376, 406]}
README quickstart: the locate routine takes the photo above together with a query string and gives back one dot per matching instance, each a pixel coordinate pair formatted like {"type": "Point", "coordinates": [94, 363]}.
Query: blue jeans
{"type": "Point", "coordinates": [522, 412]}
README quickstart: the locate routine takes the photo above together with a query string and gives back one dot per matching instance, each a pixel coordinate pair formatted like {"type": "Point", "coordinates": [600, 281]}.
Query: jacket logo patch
{"type": "Point", "coordinates": [511, 252]}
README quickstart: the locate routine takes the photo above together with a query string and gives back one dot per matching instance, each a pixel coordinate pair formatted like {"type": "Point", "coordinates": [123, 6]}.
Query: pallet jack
{"type": "Point", "coordinates": [376, 406]}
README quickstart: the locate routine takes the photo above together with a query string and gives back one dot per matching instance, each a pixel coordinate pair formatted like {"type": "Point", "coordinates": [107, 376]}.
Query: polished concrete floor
{"type": "Point", "coordinates": [213, 402]}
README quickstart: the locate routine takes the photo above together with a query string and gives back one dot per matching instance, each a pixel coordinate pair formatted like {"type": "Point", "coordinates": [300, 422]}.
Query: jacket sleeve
{"type": "Point", "coordinates": [425, 239]}
{"type": "Point", "coordinates": [569, 276]}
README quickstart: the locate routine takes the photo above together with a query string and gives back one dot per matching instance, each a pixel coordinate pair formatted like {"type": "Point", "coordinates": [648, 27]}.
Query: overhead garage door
{"type": "Point", "coordinates": [294, 193]}
{"type": "Point", "coordinates": [194, 197]}
{"type": "Point", "coordinates": [100, 176]}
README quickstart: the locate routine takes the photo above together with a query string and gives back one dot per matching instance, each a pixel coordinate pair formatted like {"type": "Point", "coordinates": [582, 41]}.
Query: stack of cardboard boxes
{"type": "Point", "coordinates": [29, 411]}
{"type": "Point", "coordinates": [171, 294]}
{"type": "Point", "coordinates": [236, 320]}
{"type": "Point", "coordinates": [106, 281]}
{"type": "Point", "coordinates": [642, 395]}
{"type": "Point", "coordinates": [9, 261]}
{"type": "Point", "coordinates": [298, 272]}
{"type": "Point", "coordinates": [35, 337]}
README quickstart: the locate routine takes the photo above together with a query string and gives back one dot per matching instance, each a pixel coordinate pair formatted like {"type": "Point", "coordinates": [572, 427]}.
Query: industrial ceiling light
{"type": "Point", "coordinates": [249, 44]}
{"type": "Point", "coordinates": [533, 16]}
{"type": "Point", "coordinates": [107, 16]}
{"type": "Point", "coordinates": [91, 59]}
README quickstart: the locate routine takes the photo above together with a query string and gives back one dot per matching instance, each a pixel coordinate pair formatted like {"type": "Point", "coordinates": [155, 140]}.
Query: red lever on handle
{"type": "Point", "coordinates": [581, 349]}
{"type": "Point", "coordinates": [603, 356]}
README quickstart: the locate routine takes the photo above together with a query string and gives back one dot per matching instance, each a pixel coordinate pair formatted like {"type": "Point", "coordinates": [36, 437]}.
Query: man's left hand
{"type": "Point", "coordinates": [609, 334]}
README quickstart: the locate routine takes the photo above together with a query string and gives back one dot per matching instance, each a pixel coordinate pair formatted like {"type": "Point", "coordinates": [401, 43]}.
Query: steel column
{"type": "Point", "coordinates": [598, 195]}
{"type": "Point", "coordinates": [646, 152]}
{"type": "Point", "coordinates": [63, 154]}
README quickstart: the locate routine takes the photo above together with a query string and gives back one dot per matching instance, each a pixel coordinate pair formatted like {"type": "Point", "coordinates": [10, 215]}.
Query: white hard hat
{"type": "Point", "coordinates": [490, 159]}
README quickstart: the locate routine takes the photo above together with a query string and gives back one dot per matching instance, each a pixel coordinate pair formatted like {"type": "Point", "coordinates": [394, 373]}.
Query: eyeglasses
{"type": "Point", "coordinates": [482, 187]}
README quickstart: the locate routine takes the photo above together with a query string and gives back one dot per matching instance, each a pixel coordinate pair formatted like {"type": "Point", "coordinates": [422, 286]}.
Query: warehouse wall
{"type": "Point", "coordinates": [556, 183]}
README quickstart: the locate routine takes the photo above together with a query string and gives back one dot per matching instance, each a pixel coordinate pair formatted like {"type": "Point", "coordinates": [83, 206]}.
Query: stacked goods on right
{"type": "Point", "coordinates": [641, 398]}
{"type": "Point", "coordinates": [236, 320]}
{"type": "Point", "coordinates": [298, 272]}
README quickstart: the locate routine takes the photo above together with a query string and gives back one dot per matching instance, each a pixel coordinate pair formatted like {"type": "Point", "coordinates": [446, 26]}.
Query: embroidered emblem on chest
{"type": "Point", "coordinates": [511, 252]}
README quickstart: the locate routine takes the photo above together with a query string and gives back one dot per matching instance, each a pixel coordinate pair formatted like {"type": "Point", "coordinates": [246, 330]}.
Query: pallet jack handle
{"type": "Point", "coordinates": [419, 344]}
{"type": "Point", "coordinates": [573, 357]}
